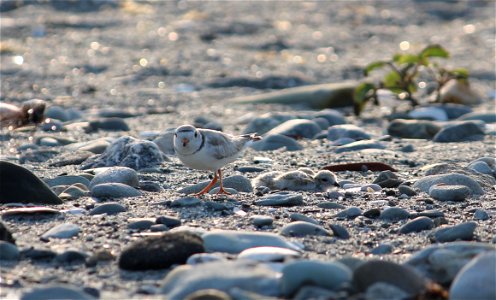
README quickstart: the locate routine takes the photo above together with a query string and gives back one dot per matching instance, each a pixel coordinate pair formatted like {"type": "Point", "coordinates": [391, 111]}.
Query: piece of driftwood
{"type": "Point", "coordinates": [330, 95]}
{"type": "Point", "coordinates": [359, 167]}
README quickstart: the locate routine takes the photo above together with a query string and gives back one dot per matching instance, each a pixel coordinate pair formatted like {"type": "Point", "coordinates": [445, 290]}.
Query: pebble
{"type": "Point", "coordinates": [413, 129]}
{"type": "Point", "coordinates": [73, 192]}
{"type": "Point", "coordinates": [122, 175]}
{"type": "Point", "coordinates": [431, 213]}
{"type": "Point", "coordinates": [334, 117]}
{"type": "Point", "coordinates": [359, 145]}
{"type": "Point", "coordinates": [160, 252]}
{"type": "Point", "coordinates": [237, 241]}
{"type": "Point", "coordinates": [429, 113]}
{"type": "Point", "coordinates": [371, 187]}
{"type": "Point", "coordinates": [109, 208]}
{"type": "Point", "coordinates": [297, 129]}
{"type": "Point", "coordinates": [261, 125]}
{"type": "Point", "coordinates": [313, 292]}
{"type": "Point", "coordinates": [416, 225]}
{"type": "Point", "coordinates": [339, 231]}
{"type": "Point", "coordinates": [8, 251]}
{"type": "Point", "coordinates": [460, 132]}
{"type": "Point", "coordinates": [424, 184]}
{"type": "Point", "coordinates": [97, 146]}
{"type": "Point", "coordinates": [128, 152]}
{"type": "Point", "coordinates": [387, 179]}
{"type": "Point", "coordinates": [476, 280]}
{"type": "Point", "coordinates": [354, 132]}
{"type": "Point", "coordinates": [350, 213]}
{"type": "Point", "coordinates": [168, 221]}
{"type": "Point", "coordinates": [67, 180]}
{"type": "Point", "coordinates": [71, 257]}
{"type": "Point", "coordinates": [442, 262]}
{"type": "Point", "coordinates": [375, 271]}
{"type": "Point", "coordinates": [15, 179]}
{"type": "Point", "coordinates": [302, 217]}
{"type": "Point", "coordinates": [115, 113]}
{"type": "Point", "coordinates": [62, 231]}
{"type": "Point", "coordinates": [372, 213]}
{"type": "Point", "coordinates": [201, 258]}
{"type": "Point", "coordinates": [280, 199]}
{"type": "Point", "coordinates": [38, 254]}
{"type": "Point", "coordinates": [406, 190]}
{"type": "Point", "coordinates": [114, 190]}
{"type": "Point", "coordinates": [301, 229]}
{"type": "Point", "coordinates": [486, 117]}
{"type": "Point", "coordinates": [250, 169]}
{"type": "Point", "coordinates": [107, 124]}
{"type": "Point", "coordinates": [48, 142]}
{"type": "Point", "coordinates": [5, 234]}
{"type": "Point", "coordinates": [57, 292]}
{"type": "Point", "coordinates": [276, 141]}
{"type": "Point", "coordinates": [330, 205]}
{"type": "Point", "coordinates": [150, 186]}
{"type": "Point", "coordinates": [462, 231]}
{"type": "Point", "coordinates": [268, 254]}
{"type": "Point", "coordinates": [158, 228]}
{"type": "Point", "coordinates": [52, 125]}
{"type": "Point", "coordinates": [394, 214]}
{"type": "Point", "coordinates": [165, 141]}
{"type": "Point", "coordinates": [329, 275]}
{"type": "Point", "coordinates": [260, 221]}
{"type": "Point", "coordinates": [409, 148]}
{"type": "Point", "coordinates": [381, 290]}
{"type": "Point", "coordinates": [382, 249]}
{"type": "Point", "coordinates": [453, 110]}
{"type": "Point", "coordinates": [238, 182]}
{"type": "Point", "coordinates": [186, 202]}
{"type": "Point", "coordinates": [481, 214]}
{"type": "Point", "coordinates": [57, 112]}
{"type": "Point", "coordinates": [211, 294]}
{"type": "Point", "coordinates": [223, 276]}
{"type": "Point", "coordinates": [481, 167]}
{"type": "Point", "coordinates": [29, 211]}
{"type": "Point", "coordinates": [140, 223]}
{"type": "Point", "coordinates": [322, 122]}
{"type": "Point", "coordinates": [449, 192]}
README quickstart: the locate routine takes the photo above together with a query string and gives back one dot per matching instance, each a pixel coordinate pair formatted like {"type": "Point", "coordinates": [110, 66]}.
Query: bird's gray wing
{"type": "Point", "coordinates": [221, 146]}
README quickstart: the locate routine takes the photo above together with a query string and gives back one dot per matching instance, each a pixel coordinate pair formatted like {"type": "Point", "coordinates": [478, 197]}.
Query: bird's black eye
{"type": "Point", "coordinates": [196, 134]}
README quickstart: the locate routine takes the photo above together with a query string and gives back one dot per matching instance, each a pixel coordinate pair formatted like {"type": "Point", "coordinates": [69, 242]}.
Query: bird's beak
{"type": "Point", "coordinates": [185, 142]}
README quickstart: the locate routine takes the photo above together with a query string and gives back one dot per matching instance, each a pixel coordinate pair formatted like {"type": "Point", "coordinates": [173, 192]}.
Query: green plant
{"type": "Point", "coordinates": [403, 75]}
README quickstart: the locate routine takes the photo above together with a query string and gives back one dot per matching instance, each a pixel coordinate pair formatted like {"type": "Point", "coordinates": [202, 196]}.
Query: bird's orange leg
{"type": "Point", "coordinates": [208, 187]}
{"type": "Point", "coordinates": [221, 188]}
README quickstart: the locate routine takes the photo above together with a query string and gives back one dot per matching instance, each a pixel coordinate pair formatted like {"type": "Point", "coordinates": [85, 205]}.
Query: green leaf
{"type": "Point", "coordinates": [391, 80]}
{"type": "Point", "coordinates": [373, 65]}
{"type": "Point", "coordinates": [361, 95]}
{"type": "Point", "coordinates": [406, 59]}
{"type": "Point", "coordinates": [460, 73]}
{"type": "Point", "coordinates": [434, 51]}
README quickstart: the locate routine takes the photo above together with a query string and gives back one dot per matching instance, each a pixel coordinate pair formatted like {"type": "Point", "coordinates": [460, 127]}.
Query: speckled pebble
{"type": "Point", "coordinates": [301, 228]}
{"type": "Point", "coordinates": [260, 221]}
{"type": "Point", "coordinates": [394, 214]}
{"type": "Point", "coordinates": [449, 192]}
{"type": "Point", "coordinates": [481, 214]}
{"type": "Point", "coordinates": [109, 208]}
{"type": "Point", "coordinates": [462, 231]}
{"type": "Point", "coordinates": [350, 213]}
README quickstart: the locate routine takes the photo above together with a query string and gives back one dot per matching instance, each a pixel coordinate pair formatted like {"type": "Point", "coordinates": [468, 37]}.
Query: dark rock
{"type": "Point", "coordinates": [405, 189]}
{"type": "Point", "coordinates": [388, 179]}
{"type": "Point", "coordinates": [168, 221]}
{"type": "Point", "coordinates": [463, 231]}
{"type": "Point", "coordinates": [413, 129]}
{"type": "Point", "coordinates": [460, 132]}
{"type": "Point", "coordinates": [186, 202]}
{"type": "Point", "coordinates": [489, 117]}
{"type": "Point", "coordinates": [57, 292]}
{"type": "Point", "coordinates": [372, 213]}
{"type": "Point", "coordinates": [71, 257]}
{"type": "Point", "coordinates": [5, 234]}
{"type": "Point", "coordinates": [38, 254]}
{"type": "Point", "coordinates": [301, 228]}
{"type": "Point", "coordinates": [260, 221]}
{"type": "Point", "coordinates": [107, 124]}
{"type": "Point", "coordinates": [273, 142]}
{"type": "Point", "coordinates": [161, 252]}
{"type": "Point", "coordinates": [417, 225]}
{"type": "Point", "coordinates": [382, 249]}
{"type": "Point", "coordinates": [280, 199]}
{"type": "Point", "coordinates": [330, 205]}
{"type": "Point", "coordinates": [141, 223]}
{"type": "Point", "coordinates": [8, 251]}
{"type": "Point", "coordinates": [19, 185]}
{"type": "Point", "coordinates": [339, 231]}
{"type": "Point", "coordinates": [109, 208]}
{"type": "Point", "coordinates": [394, 214]}
{"type": "Point", "coordinates": [350, 213]}
{"type": "Point", "coordinates": [302, 217]}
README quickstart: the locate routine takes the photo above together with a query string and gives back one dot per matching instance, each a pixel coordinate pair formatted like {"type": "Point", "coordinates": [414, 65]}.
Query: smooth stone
{"type": "Point", "coordinates": [460, 132]}
{"type": "Point", "coordinates": [302, 217]}
{"type": "Point", "coordinates": [330, 205]}
{"type": "Point", "coordinates": [38, 254]}
{"type": "Point", "coordinates": [406, 190]}
{"type": "Point", "coordinates": [186, 202]}
{"type": "Point", "coordinates": [74, 192]}
{"type": "Point", "coordinates": [19, 185]}
{"type": "Point", "coordinates": [375, 271]}
{"type": "Point", "coordinates": [372, 213]}
{"type": "Point", "coordinates": [262, 125]}
{"type": "Point", "coordinates": [413, 129]}
{"type": "Point", "coordinates": [277, 141]}
{"type": "Point", "coordinates": [481, 167]}
{"type": "Point", "coordinates": [8, 251]}
{"type": "Point", "coordinates": [322, 122]}
{"type": "Point", "coordinates": [342, 141]}
{"type": "Point", "coordinates": [339, 231]}
{"type": "Point", "coordinates": [238, 182]}
{"type": "Point", "coordinates": [387, 179]}
{"type": "Point", "coordinates": [462, 231]}
{"type": "Point", "coordinates": [48, 142]}
{"type": "Point", "coordinates": [449, 192]}
{"type": "Point", "coordinates": [107, 124]}
{"type": "Point", "coordinates": [371, 187]}
{"type": "Point", "coordinates": [97, 146]}
{"type": "Point", "coordinates": [454, 111]}
{"type": "Point", "coordinates": [489, 117]}
{"type": "Point", "coordinates": [122, 175]}
{"type": "Point", "coordinates": [114, 190]}
{"type": "Point", "coordinates": [140, 223]}
{"type": "Point", "coordinates": [168, 221]}
{"type": "Point", "coordinates": [301, 229]}
{"type": "Point", "coordinates": [359, 145]}
{"type": "Point", "coordinates": [209, 294]}
{"type": "Point", "coordinates": [216, 190]}
{"type": "Point", "coordinates": [5, 234]}
{"type": "Point", "coordinates": [429, 113]}
{"type": "Point", "coordinates": [349, 213]}
{"type": "Point", "coordinates": [237, 241]}
{"type": "Point", "coordinates": [223, 276]}
{"type": "Point", "coordinates": [260, 221]}
{"type": "Point", "coordinates": [128, 152]}
{"type": "Point", "coordinates": [71, 257]}
{"type": "Point", "coordinates": [409, 148]}
{"type": "Point", "coordinates": [57, 112]}
{"type": "Point", "coordinates": [160, 252]}
{"type": "Point", "coordinates": [334, 117]}
{"type": "Point", "coordinates": [56, 292]}
{"type": "Point", "coordinates": [417, 225]}
{"type": "Point", "coordinates": [381, 290]}
{"type": "Point", "coordinates": [158, 228]}
{"type": "Point", "coordinates": [431, 213]}
{"type": "Point", "coordinates": [29, 211]}
{"type": "Point", "coordinates": [268, 254]}
{"type": "Point", "coordinates": [329, 275]}
{"type": "Point", "coordinates": [382, 249]}
{"type": "Point", "coordinates": [425, 183]}
{"type": "Point", "coordinates": [109, 208]}
{"type": "Point", "coordinates": [394, 214]}
{"type": "Point", "coordinates": [314, 292]}
{"type": "Point", "coordinates": [297, 129]}
{"type": "Point", "coordinates": [201, 258]}
{"type": "Point", "coordinates": [150, 186]}
{"type": "Point", "coordinates": [62, 231]}
{"type": "Point", "coordinates": [250, 169]}
{"type": "Point", "coordinates": [476, 280]}
{"type": "Point", "coordinates": [115, 113]}
{"type": "Point", "coordinates": [165, 141]}
{"type": "Point", "coordinates": [52, 125]}
{"type": "Point", "coordinates": [280, 199]}
{"type": "Point", "coordinates": [354, 132]}
{"type": "Point", "coordinates": [442, 262]}
{"type": "Point", "coordinates": [481, 214]}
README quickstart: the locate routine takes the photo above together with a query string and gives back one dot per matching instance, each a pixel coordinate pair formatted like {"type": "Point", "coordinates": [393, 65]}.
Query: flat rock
{"type": "Point", "coordinates": [416, 225]}
{"type": "Point", "coordinates": [238, 182]}
{"type": "Point", "coordinates": [460, 132]}
{"type": "Point", "coordinates": [394, 214]}
{"type": "Point", "coordinates": [97, 146]}
{"type": "Point", "coordinates": [354, 132]}
{"type": "Point", "coordinates": [381, 290]}
{"type": "Point", "coordinates": [222, 276]}
{"type": "Point", "coordinates": [168, 221]}
{"type": "Point", "coordinates": [334, 117]}
{"type": "Point", "coordinates": [128, 152]}
{"type": "Point", "coordinates": [301, 228]}
{"type": "Point", "coordinates": [489, 117]}
{"type": "Point", "coordinates": [388, 179]}
{"type": "Point", "coordinates": [280, 199]}
{"type": "Point", "coordinates": [122, 175]}
{"type": "Point", "coordinates": [425, 183]}
{"type": "Point", "coordinates": [359, 145]}
{"type": "Point", "coordinates": [329, 275]}
{"type": "Point", "coordinates": [8, 251]}
{"type": "Point", "coordinates": [449, 192]}
{"type": "Point", "coordinates": [339, 231]}
{"type": "Point", "coordinates": [160, 252]}
{"type": "Point", "coordinates": [268, 254]}
{"type": "Point", "coordinates": [114, 190]}
{"type": "Point", "coordinates": [107, 124]}
{"type": "Point", "coordinates": [186, 201]}
{"type": "Point", "coordinates": [462, 231]}
{"type": "Point", "coordinates": [30, 211]}
{"type": "Point", "coordinates": [260, 221]}
{"type": "Point", "coordinates": [109, 208]}
{"type": "Point", "coordinates": [5, 234]}
{"type": "Point", "coordinates": [481, 167]}
{"type": "Point", "coordinates": [19, 185]}
{"type": "Point", "coordinates": [349, 213]}
{"type": "Point", "coordinates": [237, 241]}
{"type": "Point", "coordinates": [297, 129]}
{"type": "Point", "coordinates": [62, 231]}
{"type": "Point", "coordinates": [57, 292]}
{"type": "Point", "coordinates": [276, 141]}
{"type": "Point", "coordinates": [413, 129]}
{"type": "Point", "coordinates": [429, 113]}
{"type": "Point", "coordinates": [303, 217]}
{"type": "Point", "coordinates": [67, 180]}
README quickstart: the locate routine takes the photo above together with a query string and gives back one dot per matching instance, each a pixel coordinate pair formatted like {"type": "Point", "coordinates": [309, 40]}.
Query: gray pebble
{"type": "Point", "coordinates": [114, 190]}
{"type": "Point", "coordinates": [57, 292]}
{"type": "Point", "coordinates": [449, 192]}
{"type": "Point", "coordinates": [71, 257]}
{"type": "Point", "coordinates": [332, 116]}
{"type": "Point", "coordinates": [276, 141]}
{"type": "Point", "coordinates": [330, 205]}
{"type": "Point", "coordinates": [431, 213]}
{"type": "Point", "coordinates": [141, 223]}
{"type": "Point", "coordinates": [67, 180]}
{"type": "Point", "coordinates": [477, 279]}
{"type": "Point", "coordinates": [407, 148]}
{"type": "Point", "coordinates": [382, 290]}
{"type": "Point", "coordinates": [186, 202]}
{"type": "Point", "coordinates": [268, 254]}
{"type": "Point", "coordinates": [388, 179]}
{"type": "Point", "coordinates": [425, 183]}
{"type": "Point", "coordinates": [122, 175]}
{"type": "Point", "coordinates": [52, 125]}
{"type": "Point", "coordinates": [260, 221]}
{"type": "Point", "coordinates": [302, 217]}
{"type": "Point", "coordinates": [250, 169]}
{"type": "Point", "coordinates": [481, 167]}
{"type": "Point", "coordinates": [48, 142]}
{"type": "Point", "coordinates": [8, 251]}
{"type": "Point", "coordinates": [339, 231]}
{"type": "Point", "coordinates": [413, 129]}
{"type": "Point", "coordinates": [372, 213]}
{"type": "Point", "coordinates": [359, 145]}
{"type": "Point", "coordinates": [460, 132]}
{"type": "Point", "coordinates": [109, 208]}
{"type": "Point", "coordinates": [481, 214]}
{"type": "Point", "coordinates": [168, 221]}
{"type": "Point", "coordinates": [350, 213]}
{"type": "Point", "coordinates": [301, 228]}
{"type": "Point", "coordinates": [107, 124]}
{"type": "Point", "coordinates": [486, 117]}
{"type": "Point", "coordinates": [354, 132]}
{"type": "Point", "coordinates": [462, 231]}
{"type": "Point", "coordinates": [296, 128]}
{"type": "Point", "coordinates": [417, 225]}
{"type": "Point", "coordinates": [238, 182]}
{"type": "Point", "coordinates": [394, 214]}
{"type": "Point", "coordinates": [38, 254]}
{"type": "Point", "coordinates": [158, 228]}
{"type": "Point", "coordinates": [57, 112]}
{"type": "Point", "coordinates": [150, 186]}
{"type": "Point", "coordinates": [62, 231]}
{"type": "Point", "coordinates": [280, 199]}
{"type": "Point", "coordinates": [406, 190]}
{"type": "Point", "coordinates": [382, 249]}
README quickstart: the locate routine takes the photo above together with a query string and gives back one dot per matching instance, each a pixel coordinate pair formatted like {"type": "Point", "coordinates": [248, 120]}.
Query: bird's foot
{"type": "Point", "coordinates": [222, 191]}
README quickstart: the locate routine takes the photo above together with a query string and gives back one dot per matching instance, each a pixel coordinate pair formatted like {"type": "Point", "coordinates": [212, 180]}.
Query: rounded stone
{"type": "Point", "coordinates": [350, 213]}
{"type": "Point", "coordinates": [62, 231]}
{"type": "Point", "coordinates": [114, 190]}
{"type": "Point", "coordinates": [476, 280]}
{"type": "Point", "coordinates": [297, 129]}
{"type": "Point", "coordinates": [347, 131]}
{"type": "Point", "coordinates": [394, 214]}
{"type": "Point", "coordinates": [300, 229]}
{"type": "Point", "coordinates": [260, 221]}
{"type": "Point", "coordinates": [57, 292]}
{"type": "Point", "coordinates": [109, 208]}
{"type": "Point", "coordinates": [276, 141]}
{"type": "Point", "coordinates": [417, 225]}
{"type": "Point", "coordinates": [443, 192]}
{"type": "Point", "coordinates": [8, 251]}
{"type": "Point", "coordinates": [122, 175]}
{"type": "Point", "coordinates": [462, 231]}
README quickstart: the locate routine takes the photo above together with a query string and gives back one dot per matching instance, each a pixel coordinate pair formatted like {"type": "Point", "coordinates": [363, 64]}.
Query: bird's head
{"type": "Point", "coordinates": [325, 179]}
{"type": "Point", "coordinates": [187, 139]}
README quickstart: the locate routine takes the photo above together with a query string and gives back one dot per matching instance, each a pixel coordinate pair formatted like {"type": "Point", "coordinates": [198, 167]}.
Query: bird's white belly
{"type": "Point", "coordinates": [202, 161]}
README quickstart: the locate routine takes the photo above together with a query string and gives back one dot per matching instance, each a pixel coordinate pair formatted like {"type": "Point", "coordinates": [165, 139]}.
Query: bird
{"type": "Point", "coordinates": [303, 179]}
{"type": "Point", "coordinates": [29, 112]}
{"type": "Point", "coordinates": [210, 150]}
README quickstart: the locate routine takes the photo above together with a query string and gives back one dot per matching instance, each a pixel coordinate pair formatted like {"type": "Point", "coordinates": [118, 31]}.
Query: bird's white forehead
{"type": "Point", "coordinates": [185, 128]}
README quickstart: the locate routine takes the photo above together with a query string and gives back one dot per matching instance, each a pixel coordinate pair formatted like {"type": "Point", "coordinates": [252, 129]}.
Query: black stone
{"type": "Point", "coordinates": [5, 234]}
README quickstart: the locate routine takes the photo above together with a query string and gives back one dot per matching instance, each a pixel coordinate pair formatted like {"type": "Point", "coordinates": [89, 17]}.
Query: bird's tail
{"type": "Point", "coordinates": [252, 137]}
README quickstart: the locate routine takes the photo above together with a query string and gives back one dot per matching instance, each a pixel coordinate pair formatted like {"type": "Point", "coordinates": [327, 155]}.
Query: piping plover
{"type": "Point", "coordinates": [303, 179]}
{"type": "Point", "coordinates": [206, 149]}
